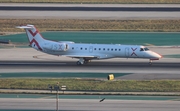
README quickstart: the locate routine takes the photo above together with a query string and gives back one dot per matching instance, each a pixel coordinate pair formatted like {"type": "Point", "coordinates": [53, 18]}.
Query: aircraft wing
{"type": "Point", "coordinates": [97, 56]}
{"type": "Point", "coordinates": [81, 56]}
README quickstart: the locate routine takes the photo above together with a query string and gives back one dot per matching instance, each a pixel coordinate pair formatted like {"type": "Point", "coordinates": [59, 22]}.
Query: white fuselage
{"type": "Point", "coordinates": [86, 52]}
{"type": "Point", "coordinates": [101, 51]}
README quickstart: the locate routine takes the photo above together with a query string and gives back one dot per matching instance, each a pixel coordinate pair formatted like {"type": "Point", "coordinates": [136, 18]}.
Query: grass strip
{"type": "Point", "coordinates": [8, 25]}
{"type": "Point", "coordinates": [94, 1]}
{"type": "Point", "coordinates": [60, 75]}
{"type": "Point", "coordinates": [95, 85]}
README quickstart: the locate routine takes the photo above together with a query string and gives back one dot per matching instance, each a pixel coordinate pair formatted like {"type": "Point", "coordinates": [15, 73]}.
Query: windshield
{"type": "Point", "coordinates": [141, 49]}
{"type": "Point", "coordinates": [144, 49]}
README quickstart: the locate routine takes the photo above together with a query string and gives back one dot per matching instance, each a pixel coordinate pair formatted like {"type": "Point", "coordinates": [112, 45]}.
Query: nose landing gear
{"type": "Point", "coordinates": [150, 62]}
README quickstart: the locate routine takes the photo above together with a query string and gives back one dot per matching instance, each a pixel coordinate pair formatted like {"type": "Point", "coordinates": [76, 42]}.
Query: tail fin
{"type": "Point", "coordinates": [35, 38]}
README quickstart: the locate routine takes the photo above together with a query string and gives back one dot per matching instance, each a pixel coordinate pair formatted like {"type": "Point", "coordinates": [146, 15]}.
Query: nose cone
{"type": "Point", "coordinates": [155, 56]}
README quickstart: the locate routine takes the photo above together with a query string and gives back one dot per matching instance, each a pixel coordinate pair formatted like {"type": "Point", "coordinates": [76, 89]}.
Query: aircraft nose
{"type": "Point", "coordinates": [156, 56]}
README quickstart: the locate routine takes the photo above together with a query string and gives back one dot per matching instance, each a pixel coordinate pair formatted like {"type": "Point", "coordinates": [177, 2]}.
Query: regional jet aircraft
{"type": "Point", "coordinates": [86, 52]}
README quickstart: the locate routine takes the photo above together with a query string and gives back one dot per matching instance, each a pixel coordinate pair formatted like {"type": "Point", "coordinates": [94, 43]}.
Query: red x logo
{"type": "Point", "coordinates": [33, 40]}
{"type": "Point", "coordinates": [133, 53]}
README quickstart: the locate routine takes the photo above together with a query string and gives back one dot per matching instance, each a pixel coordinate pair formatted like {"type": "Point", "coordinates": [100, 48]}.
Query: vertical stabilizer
{"type": "Point", "coordinates": [35, 38]}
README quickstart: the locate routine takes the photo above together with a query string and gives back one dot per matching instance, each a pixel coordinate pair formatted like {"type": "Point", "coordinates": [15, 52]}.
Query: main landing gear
{"type": "Point", "coordinates": [82, 61]}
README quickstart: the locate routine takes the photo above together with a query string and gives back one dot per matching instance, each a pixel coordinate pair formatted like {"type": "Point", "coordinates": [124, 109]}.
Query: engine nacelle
{"type": "Point", "coordinates": [56, 46]}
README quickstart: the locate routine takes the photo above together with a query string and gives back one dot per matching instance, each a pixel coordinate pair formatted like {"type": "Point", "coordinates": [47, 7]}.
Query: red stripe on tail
{"type": "Point", "coordinates": [33, 40]}
{"type": "Point", "coordinates": [36, 44]}
{"type": "Point", "coordinates": [33, 34]}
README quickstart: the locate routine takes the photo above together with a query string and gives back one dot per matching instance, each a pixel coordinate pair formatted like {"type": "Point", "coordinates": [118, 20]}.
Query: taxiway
{"type": "Point", "coordinates": [88, 105]}
{"type": "Point", "coordinates": [30, 60]}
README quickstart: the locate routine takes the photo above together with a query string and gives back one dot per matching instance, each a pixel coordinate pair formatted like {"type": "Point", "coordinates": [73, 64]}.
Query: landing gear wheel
{"type": "Point", "coordinates": [78, 63]}
{"type": "Point", "coordinates": [150, 62]}
{"type": "Point", "coordinates": [86, 61]}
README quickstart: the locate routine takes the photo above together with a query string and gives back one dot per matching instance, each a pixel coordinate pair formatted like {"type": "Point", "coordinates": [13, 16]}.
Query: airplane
{"type": "Point", "coordinates": [86, 52]}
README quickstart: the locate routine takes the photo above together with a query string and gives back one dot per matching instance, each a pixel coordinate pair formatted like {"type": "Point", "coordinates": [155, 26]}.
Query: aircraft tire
{"type": "Point", "coordinates": [78, 63]}
{"type": "Point", "coordinates": [85, 62]}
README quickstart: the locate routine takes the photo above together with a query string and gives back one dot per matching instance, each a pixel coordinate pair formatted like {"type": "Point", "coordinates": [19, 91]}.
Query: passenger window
{"type": "Point", "coordinates": [111, 49]}
{"type": "Point", "coordinates": [72, 47]}
{"type": "Point", "coordinates": [99, 48]}
{"type": "Point", "coordinates": [104, 49]}
{"type": "Point", "coordinates": [81, 48]}
{"type": "Point", "coordinates": [115, 49]}
{"type": "Point", "coordinates": [108, 49]}
{"type": "Point", "coordinates": [94, 48]}
{"type": "Point", "coordinates": [119, 49]}
{"type": "Point", "coordinates": [85, 48]}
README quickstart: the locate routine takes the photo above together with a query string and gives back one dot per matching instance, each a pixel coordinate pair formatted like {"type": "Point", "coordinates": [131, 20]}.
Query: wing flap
{"type": "Point", "coordinates": [81, 56]}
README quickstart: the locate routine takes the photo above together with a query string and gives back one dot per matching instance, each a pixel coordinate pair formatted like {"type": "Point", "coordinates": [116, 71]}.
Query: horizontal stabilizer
{"type": "Point", "coordinates": [25, 26]}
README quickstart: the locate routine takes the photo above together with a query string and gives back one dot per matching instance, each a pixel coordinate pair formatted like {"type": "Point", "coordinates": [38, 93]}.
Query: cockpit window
{"type": "Point", "coordinates": [146, 49]}
{"type": "Point", "coordinates": [141, 49]}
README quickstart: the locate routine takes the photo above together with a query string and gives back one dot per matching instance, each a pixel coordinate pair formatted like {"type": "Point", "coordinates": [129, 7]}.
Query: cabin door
{"type": "Point", "coordinates": [127, 52]}
{"type": "Point", "coordinates": [91, 49]}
